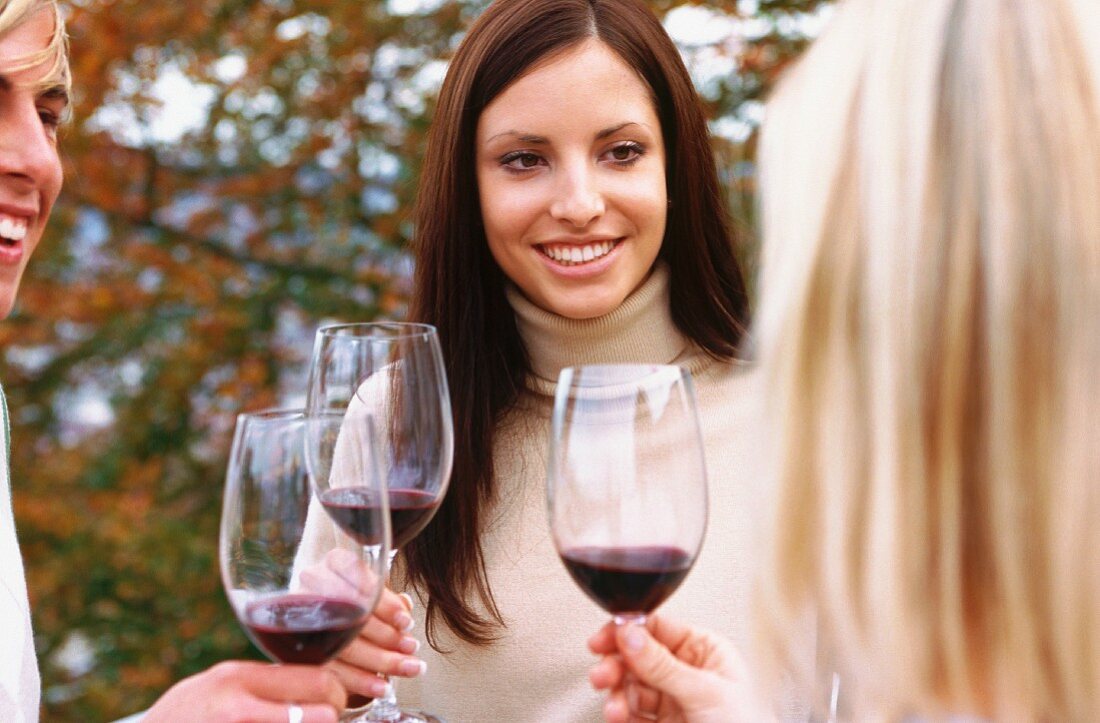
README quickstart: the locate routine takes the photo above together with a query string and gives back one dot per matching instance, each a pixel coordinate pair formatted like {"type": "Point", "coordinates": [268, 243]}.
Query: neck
{"type": "Point", "coordinates": [640, 330]}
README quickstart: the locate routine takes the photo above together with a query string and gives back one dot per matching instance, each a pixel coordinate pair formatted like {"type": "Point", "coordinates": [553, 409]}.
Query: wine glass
{"type": "Point", "coordinates": [626, 483]}
{"type": "Point", "coordinates": [293, 614]}
{"type": "Point", "coordinates": [392, 374]}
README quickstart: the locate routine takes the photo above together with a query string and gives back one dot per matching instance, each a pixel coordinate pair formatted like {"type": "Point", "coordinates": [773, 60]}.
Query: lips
{"type": "Point", "coordinates": [576, 254]}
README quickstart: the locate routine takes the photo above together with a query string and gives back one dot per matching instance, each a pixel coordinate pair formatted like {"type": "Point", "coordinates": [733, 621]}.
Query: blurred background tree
{"type": "Point", "coordinates": [237, 172]}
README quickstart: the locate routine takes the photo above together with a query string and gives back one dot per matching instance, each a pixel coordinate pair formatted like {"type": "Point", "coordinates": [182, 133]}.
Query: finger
{"type": "Point", "coordinates": [325, 582]}
{"type": "Point", "coordinates": [357, 680]}
{"type": "Point", "coordinates": [608, 673]}
{"type": "Point", "coordinates": [667, 631]}
{"type": "Point", "coordinates": [395, 610]}
{"type": "Point", "coordinates": [653, 664]}
{"type": "Point", "coordinates": [643, 700]}
{"type": "Point", "coordinates": [616, 710]}
{"type": "Point", "coordinates": [603, 642]}
{"type": "Point", "coordinates": [284, 683]}
{"type": "Point", "coordinates": [265, 711]}
{"type": "Point", "coordinates": [313, 713]}
{"type": "Point", "coordinates": [381, 634]}
{"type": "Point", "coordinates": [367, 656]}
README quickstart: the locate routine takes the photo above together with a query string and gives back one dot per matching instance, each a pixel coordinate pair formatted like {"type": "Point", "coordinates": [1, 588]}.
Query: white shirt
{"type": "Point", "coordinates": [19, 681]}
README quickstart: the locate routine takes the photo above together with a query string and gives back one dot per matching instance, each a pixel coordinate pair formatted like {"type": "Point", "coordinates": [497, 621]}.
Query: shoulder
{"type": "Point", "coordinates": [733, 383]}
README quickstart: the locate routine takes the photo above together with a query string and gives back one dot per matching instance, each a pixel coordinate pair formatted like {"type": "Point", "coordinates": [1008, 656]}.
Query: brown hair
{"type": "Point", "coordinates": [460, 289]}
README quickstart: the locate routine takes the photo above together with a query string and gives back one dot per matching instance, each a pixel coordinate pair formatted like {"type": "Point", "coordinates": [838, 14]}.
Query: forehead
{"type": "Point", "coordinates": [585, 85]}
{"type": "Point", "coordinates": [20, 43]}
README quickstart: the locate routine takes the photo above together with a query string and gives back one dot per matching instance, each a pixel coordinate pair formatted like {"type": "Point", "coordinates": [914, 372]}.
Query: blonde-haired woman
{"type": "Point", "coordinates": [34, 91]}
{"type": "Point", "coordinates": [929, 321]}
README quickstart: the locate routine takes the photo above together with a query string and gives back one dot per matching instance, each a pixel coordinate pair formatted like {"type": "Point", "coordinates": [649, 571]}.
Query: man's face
{"type": "Point", "coordinates": [30, 169]}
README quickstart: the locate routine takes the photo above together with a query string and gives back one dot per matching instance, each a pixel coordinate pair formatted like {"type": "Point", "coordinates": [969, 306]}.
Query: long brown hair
{"type": "Point", "coordinates": [460, 289]}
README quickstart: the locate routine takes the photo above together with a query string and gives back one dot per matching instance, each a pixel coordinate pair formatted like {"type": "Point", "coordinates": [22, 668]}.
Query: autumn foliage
{"type": "Point", "coordinates": [237, 172]}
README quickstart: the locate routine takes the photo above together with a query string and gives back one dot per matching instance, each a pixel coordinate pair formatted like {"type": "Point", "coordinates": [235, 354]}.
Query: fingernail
{"type": "Point", "coordinates": [635, 639]}
{"type": "Point", "coordinates": [377, 688]}
{"type": "Point", "coordinates": [408, 600]}
{"type": "Point", "coordinates": [412, 668]}
{"type": "Point", "coordinates": [403, 622]}
{"type": "Point", "coordinates": [408, 645]}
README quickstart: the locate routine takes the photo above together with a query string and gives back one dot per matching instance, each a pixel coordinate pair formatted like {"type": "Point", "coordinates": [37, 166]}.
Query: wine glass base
{"type": "Point", "coordinates": [402, 716]}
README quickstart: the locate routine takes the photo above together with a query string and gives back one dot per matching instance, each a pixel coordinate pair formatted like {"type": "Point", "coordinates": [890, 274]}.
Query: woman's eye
{"type": "Point", "coordinates": [521, 161]}
{"type": "Point", "coordinates": [626, 154]}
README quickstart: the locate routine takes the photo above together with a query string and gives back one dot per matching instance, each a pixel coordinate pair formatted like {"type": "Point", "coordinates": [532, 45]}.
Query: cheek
{"type": "Point", "coordinates": [507, 213]}
{"type": "Point", "coordinates": [647, 205]}
{"type": "Point", "coordinates": [51, 189]}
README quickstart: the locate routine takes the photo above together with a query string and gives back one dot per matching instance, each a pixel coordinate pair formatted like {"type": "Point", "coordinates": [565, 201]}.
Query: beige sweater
{"type": "Point", "coordinates": [538, 670]}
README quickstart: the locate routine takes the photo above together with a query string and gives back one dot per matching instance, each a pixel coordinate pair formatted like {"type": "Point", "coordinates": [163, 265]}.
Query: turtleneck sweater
{"type": "Point", "coordinates": [538, 669]}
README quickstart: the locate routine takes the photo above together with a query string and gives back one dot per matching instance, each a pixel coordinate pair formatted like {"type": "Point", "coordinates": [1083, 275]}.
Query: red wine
{"type": "Point", "coordinates": [410, 511]}
{"type": "Point", "coordinates": [353, 509]}
{"type": "Point", "coordinates": [627, 579]}
{"type": "Point", "coordinates": [305, 629]}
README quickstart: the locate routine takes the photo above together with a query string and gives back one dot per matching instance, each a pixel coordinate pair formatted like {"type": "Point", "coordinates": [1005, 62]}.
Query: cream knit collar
{"type": "Point", "coordinates": [640, 330]}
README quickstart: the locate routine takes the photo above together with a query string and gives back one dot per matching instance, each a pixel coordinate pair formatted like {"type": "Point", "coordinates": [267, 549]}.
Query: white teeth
{"type": "Point", "coordinates": [572, 255]}
{"type": "Point", "coordinates": [13, 229]}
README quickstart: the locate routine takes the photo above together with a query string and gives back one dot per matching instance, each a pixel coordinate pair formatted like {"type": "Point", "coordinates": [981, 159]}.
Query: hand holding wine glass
{"type": "Point", "coordinates": [682, 673]}
{"type": "Point", "coordinates": [386, 381]}
{"type": "Point", "coordinates": [293, 615]}
{"type": "Point", "coordinates": [626, 484]}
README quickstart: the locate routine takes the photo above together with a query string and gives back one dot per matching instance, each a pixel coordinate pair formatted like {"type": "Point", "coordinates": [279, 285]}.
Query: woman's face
{"type": "Point", "coordinates": [30, 170]}
{"type": "Point", "coordinates": [571, 176]}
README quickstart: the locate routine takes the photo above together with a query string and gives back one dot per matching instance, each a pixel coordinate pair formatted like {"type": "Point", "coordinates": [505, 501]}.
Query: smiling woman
{"type": "Point", "coordinates": [572, 182]}
{"type": "Point", "coordinates": [569, 213]}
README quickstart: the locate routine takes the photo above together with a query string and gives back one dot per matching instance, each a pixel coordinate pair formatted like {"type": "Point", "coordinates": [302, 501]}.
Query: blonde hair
{"type": "Point", "coordinates": [930, 316]}
{"type": "Point", "coordinates": [14, 13]}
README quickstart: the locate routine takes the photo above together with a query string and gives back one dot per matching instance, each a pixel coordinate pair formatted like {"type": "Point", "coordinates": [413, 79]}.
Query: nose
{"type": "Point", "coordinates": [27, 152]}
{"type": "Point", "coordinates": [578, 198]}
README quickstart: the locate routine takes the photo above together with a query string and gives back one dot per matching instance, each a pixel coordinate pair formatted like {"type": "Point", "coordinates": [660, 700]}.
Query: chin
{"type": "Point", "coordinates": [579, 311]}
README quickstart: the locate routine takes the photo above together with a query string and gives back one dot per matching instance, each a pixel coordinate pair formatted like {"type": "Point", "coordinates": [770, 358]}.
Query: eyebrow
{"type": "Point", "coordinates": [540, 140]}
{"type": "Point", "coordinates": [55, 92]}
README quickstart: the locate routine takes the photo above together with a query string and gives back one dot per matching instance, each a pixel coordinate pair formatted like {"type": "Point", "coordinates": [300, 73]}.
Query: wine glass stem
{"type": "Point", "coordinates": [384, 707]}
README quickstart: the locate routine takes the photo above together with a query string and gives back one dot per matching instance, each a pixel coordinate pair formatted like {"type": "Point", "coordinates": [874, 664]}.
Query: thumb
{"type": "Point", "coordinates": [653, 664]}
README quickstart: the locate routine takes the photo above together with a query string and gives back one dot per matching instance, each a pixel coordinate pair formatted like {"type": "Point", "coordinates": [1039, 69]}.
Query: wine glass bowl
{"type": "Point", "coordinates": [385, 379]}
{"type": "Point", "coordinates": [626, 483]}
{"type": "Point", "coordinates": [387, 383]}
{"type": "Point", "coordinates": [293, 614]}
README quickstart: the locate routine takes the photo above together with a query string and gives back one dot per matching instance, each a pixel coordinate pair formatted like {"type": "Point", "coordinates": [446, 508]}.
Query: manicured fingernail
{"type": "Point", "coordinates": [403, 622]}
{"type": "Point", "coordinates": [412, 668]}
{"type": "Point", "coordinates": [377, 689]}
{"type": "Point", "coordinates": [408, 600]}
{"type": "Point", "coordinates": [408, 645]}
{"type": "Point", "coordinates": [635, 639]}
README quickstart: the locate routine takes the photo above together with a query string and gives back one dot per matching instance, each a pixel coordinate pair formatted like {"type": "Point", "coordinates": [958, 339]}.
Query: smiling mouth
{"type": "Point", "coordinates": [12, 230]}
{"type": "Point", "coordinates": [577, 254]}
